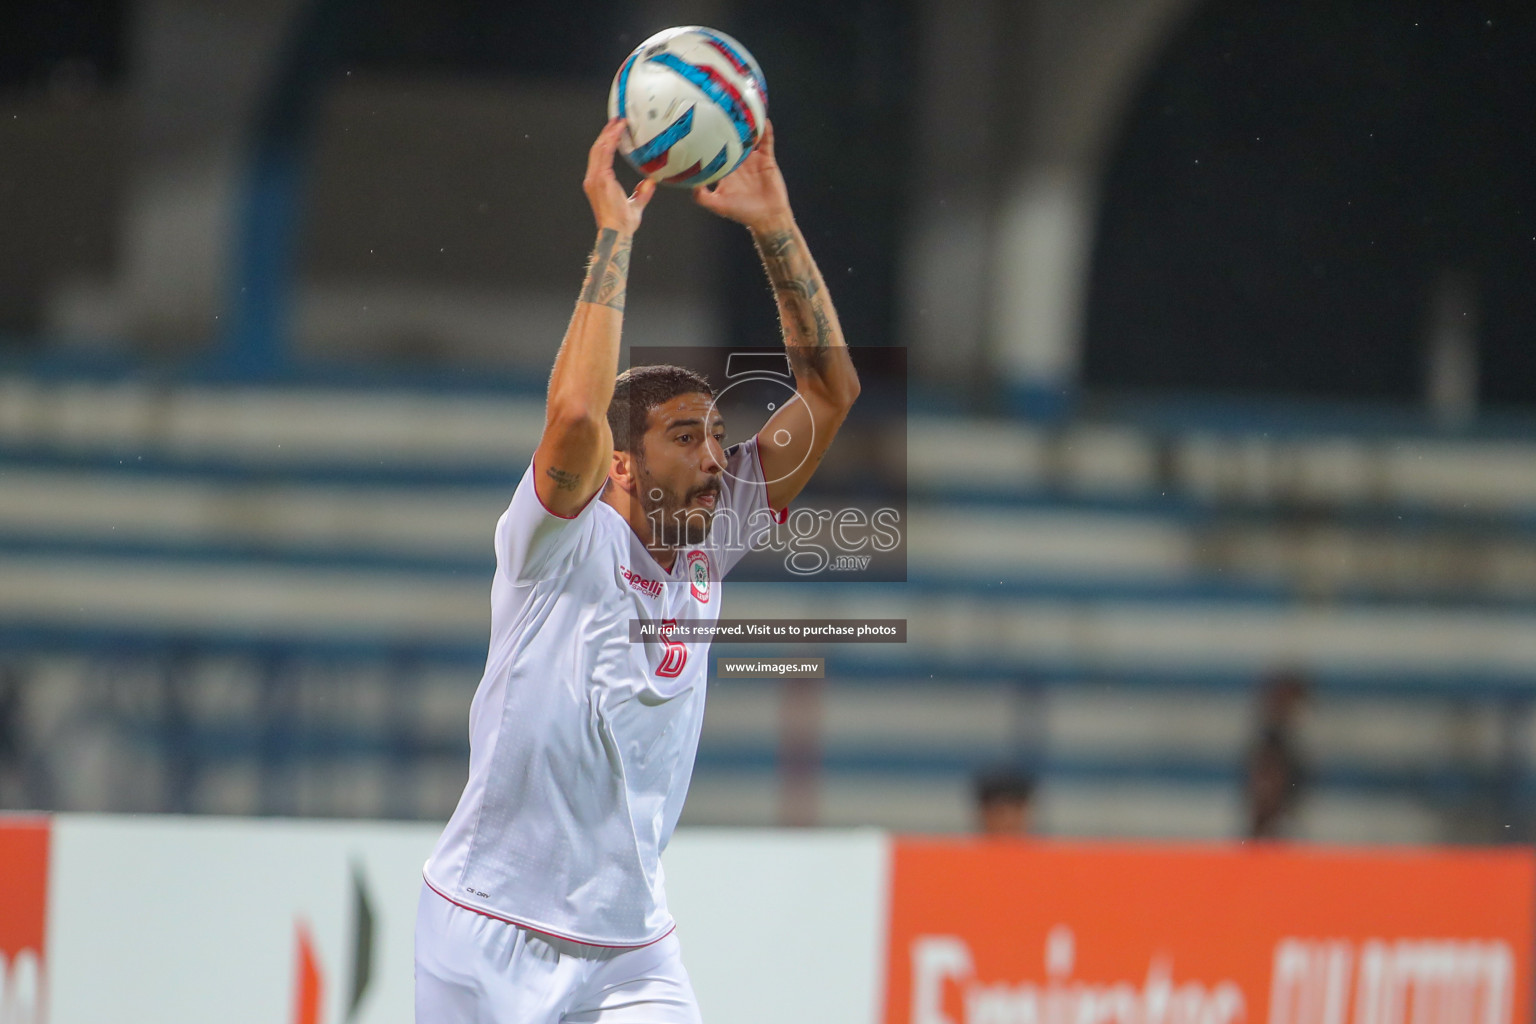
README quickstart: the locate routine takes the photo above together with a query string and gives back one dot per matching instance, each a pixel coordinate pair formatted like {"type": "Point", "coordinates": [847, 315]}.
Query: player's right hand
{"type": "Point", "coordinates": [610, 206]}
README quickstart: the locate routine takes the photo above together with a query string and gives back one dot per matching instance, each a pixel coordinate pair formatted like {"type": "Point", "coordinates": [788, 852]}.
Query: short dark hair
{"type": "Point", "coordinates": [1002, 784]}
{"type": "Point", "coordinates": [640, 389]}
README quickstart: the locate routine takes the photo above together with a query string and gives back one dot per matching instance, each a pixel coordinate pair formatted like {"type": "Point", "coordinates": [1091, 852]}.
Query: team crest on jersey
{"type": "Point", "coordinates": [698, 575]}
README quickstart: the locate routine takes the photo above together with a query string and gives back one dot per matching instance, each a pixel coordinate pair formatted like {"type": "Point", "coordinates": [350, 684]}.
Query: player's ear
{"type": "Point", "coordinates": [622, 471]}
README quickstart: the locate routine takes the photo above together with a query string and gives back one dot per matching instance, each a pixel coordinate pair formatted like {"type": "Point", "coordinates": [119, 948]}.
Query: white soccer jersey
{"type": "Point", "coordinates": [581, 742]}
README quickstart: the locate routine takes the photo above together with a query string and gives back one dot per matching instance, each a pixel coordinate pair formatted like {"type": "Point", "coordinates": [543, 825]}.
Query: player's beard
{"type": "Point", "coordinates": [675, 522]}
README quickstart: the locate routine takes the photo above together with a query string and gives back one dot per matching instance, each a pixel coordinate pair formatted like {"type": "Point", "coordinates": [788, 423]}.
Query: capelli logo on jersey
{"type": "Point", "coordinates": [698, 575]}
{"type": "Point", "coordinates": [650, 588]}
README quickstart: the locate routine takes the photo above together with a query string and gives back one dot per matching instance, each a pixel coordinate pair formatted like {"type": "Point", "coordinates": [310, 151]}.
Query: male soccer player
{"type": "Point", "coordinates": [544, 899]}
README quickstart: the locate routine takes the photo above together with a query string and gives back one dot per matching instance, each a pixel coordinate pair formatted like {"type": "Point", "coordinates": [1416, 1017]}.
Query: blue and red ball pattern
{"type": "Point", "coordinates": [696, 102]}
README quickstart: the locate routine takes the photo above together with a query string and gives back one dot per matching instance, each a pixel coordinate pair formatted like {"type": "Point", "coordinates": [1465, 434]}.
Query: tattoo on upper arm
{"type": "Point", "coordinates": [608, 274]}
{"type": "Point", "coordinates": [563, 480]}
{"type": "Point", "coordinates": [808, 359]}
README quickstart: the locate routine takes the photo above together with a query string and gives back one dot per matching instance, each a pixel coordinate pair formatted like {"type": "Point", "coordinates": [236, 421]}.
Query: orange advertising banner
{"type": "Point", "coordinates": [23, 917]}
{"type": "Point", "coordinates": [1018, 932]}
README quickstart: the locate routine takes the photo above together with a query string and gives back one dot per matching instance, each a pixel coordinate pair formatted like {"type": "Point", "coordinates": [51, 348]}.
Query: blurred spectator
{"type": "Point", "coordinates": [1275, 775]}
{"type": "Point", "coordinates": [10, 733]}
{"type": "Point", "coordinates": [1002, 801]}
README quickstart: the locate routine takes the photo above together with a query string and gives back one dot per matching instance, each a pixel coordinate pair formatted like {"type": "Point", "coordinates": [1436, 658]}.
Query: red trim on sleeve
{"type": "Point", "coordinates": [757, 449]}
{"type": "Point", "coordinates": [557, 515]}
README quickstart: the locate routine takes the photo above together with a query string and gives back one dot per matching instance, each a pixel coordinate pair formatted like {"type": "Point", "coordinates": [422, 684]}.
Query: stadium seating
{"type": "Point", "coordinates": [236, 587]}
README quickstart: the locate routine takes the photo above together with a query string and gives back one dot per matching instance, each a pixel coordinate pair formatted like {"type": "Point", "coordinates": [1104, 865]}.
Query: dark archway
{"type": "Point", "coordinates": [1291, 182]}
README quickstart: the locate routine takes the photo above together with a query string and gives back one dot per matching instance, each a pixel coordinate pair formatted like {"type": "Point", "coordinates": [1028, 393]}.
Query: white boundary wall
{"type": "Point", "coordinates": [197, 920]}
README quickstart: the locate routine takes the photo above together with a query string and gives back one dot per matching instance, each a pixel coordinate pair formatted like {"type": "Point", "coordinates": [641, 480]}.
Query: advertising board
{"type": "Point", "coordinates": [187, 920]}
{"type": "Point", "coordinates": [1045, 933]}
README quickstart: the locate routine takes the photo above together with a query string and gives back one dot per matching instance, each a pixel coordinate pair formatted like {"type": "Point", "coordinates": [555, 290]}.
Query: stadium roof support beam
{"type": "Point", "coordinates": [199, 72]}
{"type": "Point", "coordinates": [999, 255]}
{"type": "Point", "coordinates": [1082, 62]}
{"type": "Point", "coordinates": [258, 340]}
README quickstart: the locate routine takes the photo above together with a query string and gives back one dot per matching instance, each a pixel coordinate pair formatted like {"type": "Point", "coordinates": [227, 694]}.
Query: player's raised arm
{"type": "Point", "coordinates": [577, 446]}
{"type": "Point", "coordinates": [799, 433]}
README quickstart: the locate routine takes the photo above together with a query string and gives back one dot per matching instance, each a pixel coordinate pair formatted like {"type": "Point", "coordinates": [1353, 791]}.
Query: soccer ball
{"type": "Point", "coordinates": [696, 104]}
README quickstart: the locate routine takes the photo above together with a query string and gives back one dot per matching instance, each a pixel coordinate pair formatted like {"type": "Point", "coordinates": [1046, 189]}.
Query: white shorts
{"type": "Point", "coordinates": [474, 969]}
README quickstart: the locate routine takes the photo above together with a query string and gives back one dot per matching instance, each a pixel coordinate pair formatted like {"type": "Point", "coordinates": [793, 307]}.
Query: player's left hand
{"type": "Point", "coordinates": [754, 193]}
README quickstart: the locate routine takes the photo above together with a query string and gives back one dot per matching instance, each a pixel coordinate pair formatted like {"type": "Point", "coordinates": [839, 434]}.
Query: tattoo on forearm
{"type": "Point", "coordinates": [787, 266]}
{"type": "Point", "coordinates": [608, 274]}
{"type": "Point", "coordinates": [823, 324]}
{"type": "Point", "coordinates": [563, 480]}
{"type": "Point", "coordinates": [800, 290]}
